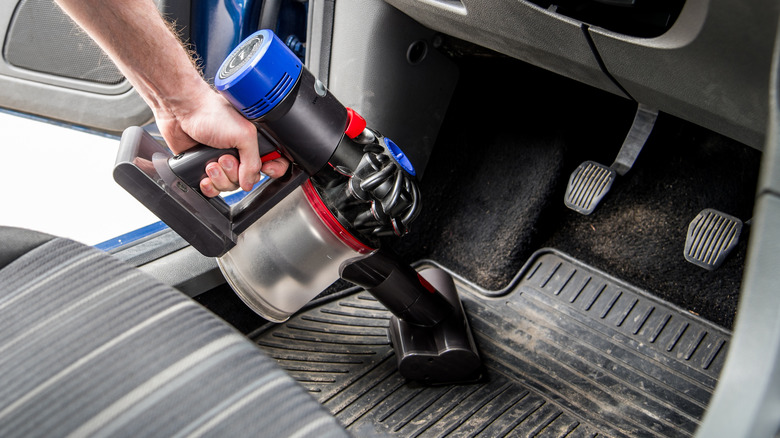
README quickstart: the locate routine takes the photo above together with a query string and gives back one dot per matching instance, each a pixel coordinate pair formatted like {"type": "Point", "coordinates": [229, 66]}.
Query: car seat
{"type": "Point", "coordinates": [92, 346]}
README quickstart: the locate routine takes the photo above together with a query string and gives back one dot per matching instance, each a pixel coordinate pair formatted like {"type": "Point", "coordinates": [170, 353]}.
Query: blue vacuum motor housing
{"type": "Point", "coordinates": [258, 74]}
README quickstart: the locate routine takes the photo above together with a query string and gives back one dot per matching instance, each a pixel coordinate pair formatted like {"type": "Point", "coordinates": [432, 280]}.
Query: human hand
{"type": "Point", "coordinates": [187, 110]}
{"type": "Point", "coordinates": [223, 174]}
{"type": "Point", "coordinates": [209, 119]}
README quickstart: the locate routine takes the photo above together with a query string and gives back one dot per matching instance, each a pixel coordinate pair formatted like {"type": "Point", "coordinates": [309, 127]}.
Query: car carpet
{"type": "Point", "coordinates": [493, 190]}
{"type": "Point", "coordinates": [638, 232]}
{"type": "Point", "coordinates": [495, 170]}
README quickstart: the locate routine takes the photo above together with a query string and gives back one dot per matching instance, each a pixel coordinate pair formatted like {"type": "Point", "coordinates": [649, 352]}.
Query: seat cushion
{"type": "Point", "coordinates": [90, 345]}
{"type": "Point", "coordinates": [15, 242]}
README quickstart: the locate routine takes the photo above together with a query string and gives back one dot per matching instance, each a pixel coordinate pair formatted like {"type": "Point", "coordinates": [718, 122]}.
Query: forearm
{"type": "Point", "coordinates": [187, 110]}
{"type": "Point", "coordinates": [150, 56]}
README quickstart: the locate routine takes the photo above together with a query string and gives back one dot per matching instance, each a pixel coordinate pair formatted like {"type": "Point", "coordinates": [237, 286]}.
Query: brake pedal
{"type": "Point", "coordinates": [712, 235]}
{"type": "Point", "coordinates": [588, 184]}
{"type": "Point", "coordinates": [591, 181]}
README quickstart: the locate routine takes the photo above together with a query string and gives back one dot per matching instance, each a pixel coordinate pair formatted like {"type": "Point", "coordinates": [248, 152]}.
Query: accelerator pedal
{"type": "Point", "coordinates": [591, 181]}
{"type": "Point", "coordinates": [711, 237]}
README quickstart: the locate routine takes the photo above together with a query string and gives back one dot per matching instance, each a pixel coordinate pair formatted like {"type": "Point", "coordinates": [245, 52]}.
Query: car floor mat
{"type": "Point", "coordinates": [567, 351]}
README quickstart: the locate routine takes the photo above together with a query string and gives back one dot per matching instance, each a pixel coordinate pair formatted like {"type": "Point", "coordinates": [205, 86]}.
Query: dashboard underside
{"type": "Point", "coordinates": [711, 66]}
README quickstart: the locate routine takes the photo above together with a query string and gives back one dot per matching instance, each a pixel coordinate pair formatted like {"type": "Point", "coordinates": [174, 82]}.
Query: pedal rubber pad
{"type": "Point", "coordinates": [588, 185]}
{"type": "Point", "coordinates": [711, 237]}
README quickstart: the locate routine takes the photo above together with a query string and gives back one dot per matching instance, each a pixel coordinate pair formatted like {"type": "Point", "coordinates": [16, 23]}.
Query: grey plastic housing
{"type": "Point", "coordinates": [746, 402]}
{"type": "Point", "coordinates": [710, 68]}
{"type": "Point", "coordinates": [384, 65]}
{"type": "Point", "coordinates": [518, 29]}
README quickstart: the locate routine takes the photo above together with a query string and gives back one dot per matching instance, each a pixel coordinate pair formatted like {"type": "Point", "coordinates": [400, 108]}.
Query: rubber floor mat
{"type": "Point", "coordinates": [568, 351]}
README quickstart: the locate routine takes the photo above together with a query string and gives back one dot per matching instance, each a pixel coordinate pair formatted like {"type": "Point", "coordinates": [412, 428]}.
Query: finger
{"type": "Point", "coordinates": [207, 188]}
{"type": "Point", "coordinates": [219, 179]}
{"type": "Point", "coordinates": [275, 168]}
{"type": "Point", "coordinates": [230, 165]}
{"type": "Point", "coordinates": [249, 167]}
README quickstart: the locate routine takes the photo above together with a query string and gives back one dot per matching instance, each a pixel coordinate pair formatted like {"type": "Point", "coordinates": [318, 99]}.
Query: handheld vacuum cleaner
{"type": "Point", "coordinates": [287, 240]}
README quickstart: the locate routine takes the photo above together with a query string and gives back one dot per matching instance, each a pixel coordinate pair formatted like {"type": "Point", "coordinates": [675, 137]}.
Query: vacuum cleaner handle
{"type": "Point", "coordinates": [190, 165]}
{"type": "Point", "coordinates": [143, 168]}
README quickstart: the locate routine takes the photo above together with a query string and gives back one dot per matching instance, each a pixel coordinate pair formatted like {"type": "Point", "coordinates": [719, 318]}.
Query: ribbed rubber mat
{"type": "Point", "coordinates": [568, 351]}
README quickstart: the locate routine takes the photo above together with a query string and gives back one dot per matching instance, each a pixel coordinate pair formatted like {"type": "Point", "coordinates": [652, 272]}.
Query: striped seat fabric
{"type": "Point", "coordinates": [92, 347]}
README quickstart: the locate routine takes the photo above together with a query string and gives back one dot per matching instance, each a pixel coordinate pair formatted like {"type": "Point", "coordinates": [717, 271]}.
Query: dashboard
{"type": "Point", "coordinates": [705, 61]}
